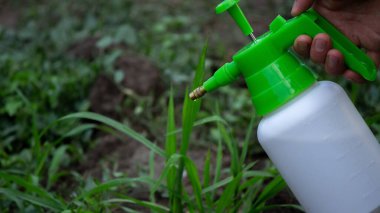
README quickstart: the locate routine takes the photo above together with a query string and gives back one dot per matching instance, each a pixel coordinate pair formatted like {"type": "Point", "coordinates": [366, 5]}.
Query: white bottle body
{"type": "Point", "coordinates": [325, 151]}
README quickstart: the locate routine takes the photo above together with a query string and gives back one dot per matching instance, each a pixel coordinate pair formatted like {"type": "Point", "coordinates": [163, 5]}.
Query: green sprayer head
{"type": "Point", "coordinates": [273, 73]}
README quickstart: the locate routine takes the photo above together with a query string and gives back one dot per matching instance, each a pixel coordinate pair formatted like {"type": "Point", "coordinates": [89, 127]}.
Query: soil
{"type": "Point", "coordinates": [105, 96]}
{"type": "Point", "coordinates": [9, 15]}
{"type": "Point", "coordinates": [84, 49]}
{"type": "Point", "coordinates": [140, 75]}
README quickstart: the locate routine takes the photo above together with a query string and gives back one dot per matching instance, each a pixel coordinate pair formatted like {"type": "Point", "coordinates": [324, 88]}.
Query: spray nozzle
{"type": "Point", "coordinates": [237, 14]}
{"type": "Point", "coordinates": [228, 72]}
{"type": "Point", "coordinates": [225, 75]}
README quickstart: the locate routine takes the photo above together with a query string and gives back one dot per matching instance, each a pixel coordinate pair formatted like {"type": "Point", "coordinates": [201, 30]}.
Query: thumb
{"type": "Point", "coordinates": [300, 6]}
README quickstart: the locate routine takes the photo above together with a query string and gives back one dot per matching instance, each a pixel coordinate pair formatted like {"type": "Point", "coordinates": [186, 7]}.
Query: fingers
{"type": "Point", "coordinates": [334, 63]}
{"type": "Point", "coordinates": [320, 51]}
{"type": "Point", "coordinates": [302, 45]}
{"type": "Point", "coordinates": [300, 6]}
{"type": "Point", "coordinates": [353, 76]}
{"type": "Point", "coordinates": [319, 48]}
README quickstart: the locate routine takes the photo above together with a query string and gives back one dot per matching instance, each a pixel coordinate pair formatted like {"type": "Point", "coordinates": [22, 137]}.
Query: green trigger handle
{"type": "Point", "coordinates": [355, 58]}
{"type": "Point", "coordinates": [311, 23]}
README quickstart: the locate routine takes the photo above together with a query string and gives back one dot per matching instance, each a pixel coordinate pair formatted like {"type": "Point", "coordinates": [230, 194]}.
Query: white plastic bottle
{"type": "Point", "coordinates": [325, 151]}
{"type": "Point", "coordinates": [311, 130]}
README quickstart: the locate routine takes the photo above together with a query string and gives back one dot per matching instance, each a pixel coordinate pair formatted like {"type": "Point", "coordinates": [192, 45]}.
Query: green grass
{"type": "Point", "coordinates": [218, 189]}
{"type": "Point", "coordinates": [40, 147]}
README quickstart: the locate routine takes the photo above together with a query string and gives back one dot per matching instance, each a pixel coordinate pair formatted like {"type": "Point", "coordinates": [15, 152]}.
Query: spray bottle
{"type": "Point", "coordinates": [310, 130]}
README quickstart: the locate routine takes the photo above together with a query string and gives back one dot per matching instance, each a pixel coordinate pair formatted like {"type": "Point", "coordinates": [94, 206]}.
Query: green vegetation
{"type": "Point", "coordinates": [243, 188]}
{"type": "Point", "coordinates": [47, 130]}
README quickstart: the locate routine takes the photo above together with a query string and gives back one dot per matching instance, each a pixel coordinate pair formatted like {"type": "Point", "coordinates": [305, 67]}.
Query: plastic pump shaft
{"type": "Point", "coordinates": [237, 14]}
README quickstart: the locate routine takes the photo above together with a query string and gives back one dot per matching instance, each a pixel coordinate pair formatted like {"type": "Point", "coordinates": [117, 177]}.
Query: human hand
{"type": "Point", "coordinates": [359, 20]}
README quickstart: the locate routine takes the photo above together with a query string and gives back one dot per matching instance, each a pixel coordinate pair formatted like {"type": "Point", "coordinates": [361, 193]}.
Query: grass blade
{"type": "Point", "coordinates": [15, 198]}
{"type": "Point", "coordinates": [250, 196]}
{"type": "Point", "coordinates": [113, 183]}
{"type": "Point", "coordinates": [29, 187]}
{"type": "Point", "coordinates": [372, 119]}
{"type": "Point", "coordinates": [152, 175]}
{"type": "Point", "coordinates": [190, 110]}
{"type": "Point", "coordinates": [190, 107]}
{"type": "Point", "coordinates": [231, 145]}
{"type": "Point", "coordinates": [118, 126]}
{"type": "Point", "coordinates": [206, 170]}
{"type": "Point", "coordinates": [247, 140]}
{"type": "Point", "coordinates": [246, 174]}
{"type": "Point", "coordinates": [170, 148]}
{"type": "Point", "coordinates": [218, 167]}
{"type": "Point", "coordinates": [195, 182]}
{"type": "Point", "coordinates": [250, 182]}
{"type": "Point", "coordinates": [170, 144]}
{"type": "Point", "coordinates": [170, 168]}
{"type": "Point", "coordinates": [200, 122]}
{"type": "Point", "coordinates": [228, 195]}
{"type": "Point", "coordinates": [233, 149]}
{"type": "Point", "coordinates": [273, 188]}
{"type": "Point", "coordinates": [42, 202]}
{"type": "Point", "coordinates": [217, 185]}
{"type": "Point", "coordinates": [36, 146]}
{"type": "Point", "coordinates": [125, 199]}
{"type": "Point", "coordinates": [126, 209]}
{"type": "Point", "coordinates": [41, 158]}
{"type": "Point", "coordinates": [207, 177]}
{"type": "Point", "coordinates": [79, 129]}
{"type": "Point", "coordinates": [54, 165]}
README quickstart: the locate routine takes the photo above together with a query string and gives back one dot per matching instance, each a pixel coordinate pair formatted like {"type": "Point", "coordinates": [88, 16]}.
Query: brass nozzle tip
{"type": "Point", "coordinates": [197, 93]}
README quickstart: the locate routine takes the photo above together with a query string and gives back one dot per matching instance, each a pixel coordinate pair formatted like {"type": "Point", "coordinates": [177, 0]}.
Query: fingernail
{"type": "Point", "coordinates": [320, 45]}
{"type": "Point", "coordinates": [333, 61]}
{"type": "Point", "coordinates": [303, 47]}
{"type": "Point", "coordinates": [333, 65]}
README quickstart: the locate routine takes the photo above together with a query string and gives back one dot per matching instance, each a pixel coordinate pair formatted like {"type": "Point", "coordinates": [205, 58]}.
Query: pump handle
{"type": "Point", "coordinates": [356, 59]}
{"type": "Point", "coordinates": [236, 13]}
{"type": "Point", "coordinates": [311, 23]}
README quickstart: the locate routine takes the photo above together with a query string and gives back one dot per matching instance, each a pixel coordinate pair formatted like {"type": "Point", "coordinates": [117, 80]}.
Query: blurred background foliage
{"type": "Point", "coordinates": [53, 52]}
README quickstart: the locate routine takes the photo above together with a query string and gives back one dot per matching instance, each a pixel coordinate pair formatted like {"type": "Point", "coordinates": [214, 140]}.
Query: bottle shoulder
{"type": "Point", "coordinates": [322, 96]}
